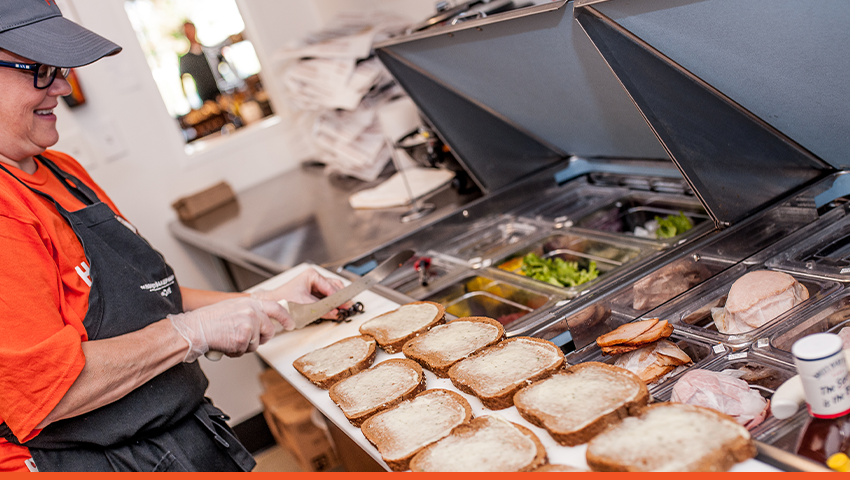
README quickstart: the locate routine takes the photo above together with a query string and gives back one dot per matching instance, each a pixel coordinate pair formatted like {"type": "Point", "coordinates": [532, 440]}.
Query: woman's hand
{"type": "Point", "coordinates": [308, 287]}
{"type": "Point", "coordinates": [233, 327]}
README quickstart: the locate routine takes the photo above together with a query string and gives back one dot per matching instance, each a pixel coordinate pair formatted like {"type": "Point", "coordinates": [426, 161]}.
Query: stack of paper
{"type": "Point", "coordinates": [333, 77]}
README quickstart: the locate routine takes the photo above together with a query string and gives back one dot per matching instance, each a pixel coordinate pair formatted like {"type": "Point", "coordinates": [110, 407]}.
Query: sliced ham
{"type": "Point", "coordinates": [757, 298]}
{"type": "Point", "coordinates": [723, 392]}
{"type": "Point", "coordinates": [660, 330]}
{"type": "Point", "coordinates": [653, 361]}
{"type": "Point", "coordinates": [626, 332]}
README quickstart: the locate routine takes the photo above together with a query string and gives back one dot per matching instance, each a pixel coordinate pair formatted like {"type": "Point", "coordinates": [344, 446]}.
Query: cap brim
{"type": "Point", "coordinates": [57, 41]}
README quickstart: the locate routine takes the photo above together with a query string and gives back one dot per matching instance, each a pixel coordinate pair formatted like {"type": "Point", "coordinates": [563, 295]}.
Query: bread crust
{"type": "Point", "coordinates": [478, 423]}
{"type": "Point", "coordinates": [393, 345]}
{"type": "Point", "coordinates": [544, 420]}
{"type": "Point", "coordinates": [324, 381]}
{"type": "Point", "coordinates": [411, 392]}
{"type": "Point", "coordinates": [505, 397]}
{"type": "Point", "coordinates": [720, 460]}
{"type": "Point", "coordinates": [378, 439]}
{"type": "Point", "coordinates": [441, 368]}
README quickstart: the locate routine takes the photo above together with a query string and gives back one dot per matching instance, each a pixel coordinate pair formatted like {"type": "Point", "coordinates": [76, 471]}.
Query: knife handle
{"type": "Point", "coordinates": [216, 356]}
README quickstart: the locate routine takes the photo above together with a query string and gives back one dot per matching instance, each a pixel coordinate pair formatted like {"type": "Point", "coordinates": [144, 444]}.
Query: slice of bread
{"type": "Point", "coordinates": [486, 444]}
{"type": "Point", "coordinates": [557, 468]}
{"type": "Point", "coordinates": [337, 361]}
{"type": "Point", "coordinates": [496, 373]}
{"type": "Point", "coordinates": [402, 431]}
{"type": "Point", "coordinates": [444, 345]}
{"type": "Point", "coordinates": [393, 329]}
{"type": "Point", "coordinates": [671, 437]}
{"type": "Point", "coordinates": [579, 403]}
{"type": "Point", "coordinates": [378, 388]}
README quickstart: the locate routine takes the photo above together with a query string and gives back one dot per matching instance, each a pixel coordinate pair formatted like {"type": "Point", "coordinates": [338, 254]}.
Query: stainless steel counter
{"type": "Point", "coordinates": [300, 216]}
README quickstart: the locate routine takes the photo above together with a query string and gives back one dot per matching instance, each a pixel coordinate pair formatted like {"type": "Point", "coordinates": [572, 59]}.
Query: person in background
{"type": "Point", "coordinates": [195, 63]}
{"type": "Point", "coordinates": [99, 343]}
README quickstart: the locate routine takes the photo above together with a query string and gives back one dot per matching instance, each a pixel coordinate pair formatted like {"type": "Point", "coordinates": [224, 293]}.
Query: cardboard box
{"type": "Point", "coordinates": [193, 206]}
{"type": "Point", "coordinates": [290, 419]}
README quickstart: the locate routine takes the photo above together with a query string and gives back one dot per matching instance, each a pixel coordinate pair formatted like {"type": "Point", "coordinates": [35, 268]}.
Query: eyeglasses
{"type": "Point", "coordinates": [43, 75]}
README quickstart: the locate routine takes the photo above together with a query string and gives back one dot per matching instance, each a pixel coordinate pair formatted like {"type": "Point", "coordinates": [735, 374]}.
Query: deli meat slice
{"type": "Point", "coordinates": [757, 298]}
{"type": "Point", "coordinates": [653, 361]}
{"type": "Point", "coordinates": [624, 333]}
{"type": "Point", "coordinates": [723, 392]}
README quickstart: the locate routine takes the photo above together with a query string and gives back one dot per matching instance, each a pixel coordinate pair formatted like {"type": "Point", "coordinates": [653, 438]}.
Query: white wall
{"type": "Point", "coordinates": [134, 150]}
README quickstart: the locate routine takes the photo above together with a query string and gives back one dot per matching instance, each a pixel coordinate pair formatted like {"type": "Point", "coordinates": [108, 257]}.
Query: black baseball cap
{"type": "Point", "coordinates": [36, 29]}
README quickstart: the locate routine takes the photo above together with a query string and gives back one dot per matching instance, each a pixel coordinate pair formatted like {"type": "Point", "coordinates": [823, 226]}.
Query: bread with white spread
{"type": "Point", "coordinates": [400, 432]}
{"type": "Point", "coordinates": [444, 345]}
{"type": "Point", "coordinates": [337, 361]}
{"type": "Point", "coordinates": [579, 403]}
{"type": "Point", "coordinates": [486, 444]}
{"type": "Point", "coordinates": [378, 388]}
{"type": "Point", "coordinates": [393, 329]}
{"type": "Point", "coordinates": [671, 437]}
{"type": "Point", "coordinates": [496, 373]}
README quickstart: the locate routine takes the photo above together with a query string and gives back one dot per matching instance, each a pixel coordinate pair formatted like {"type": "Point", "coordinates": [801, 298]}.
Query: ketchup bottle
{"type": "Point", "coordinates": [826, 383]}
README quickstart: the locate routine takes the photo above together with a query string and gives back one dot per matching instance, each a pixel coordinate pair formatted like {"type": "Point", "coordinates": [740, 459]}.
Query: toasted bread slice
{"type": "Point", "coordinates": [378, 388]}
{"type": "Point", "coordinates": [671, 437]}
{"type": "Point", "coordinates": [337, 361]}
{"type": "Point", "coordinates": [549, 467]}
{"type": "Point", "coordinates": [579, 403]}
{"type": "Point", "coordinates": [400, 432]}
{"type": "Point", "coordinates": [496, 373]}
{"type": "Point", "coordinates": [486, 444]}
{"type": "Point", "coordinates": [444, 345]}
{"type": "Point", "coordinates": [394, 328]}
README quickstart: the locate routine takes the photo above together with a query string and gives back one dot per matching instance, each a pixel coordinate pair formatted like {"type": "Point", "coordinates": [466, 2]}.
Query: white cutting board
{"type": "Point", "coordinates": [285, 348]}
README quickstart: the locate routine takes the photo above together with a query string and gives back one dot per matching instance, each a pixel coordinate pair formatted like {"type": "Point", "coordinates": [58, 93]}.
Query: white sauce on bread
{"type": "Point", "coordinates": [502, 367]}
{"type": "Point", "coordinates": [401, 322]}
{"type": "Point", "coordinates": [374, 387]}
{"type": "Point", "coordinates": [456, 340]}
{"type": "Point", "coordinates": [335, 358]}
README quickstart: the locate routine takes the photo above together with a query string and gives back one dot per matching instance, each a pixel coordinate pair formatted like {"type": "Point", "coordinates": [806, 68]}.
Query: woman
{"type": "Point", "coordinates": [98, 344]}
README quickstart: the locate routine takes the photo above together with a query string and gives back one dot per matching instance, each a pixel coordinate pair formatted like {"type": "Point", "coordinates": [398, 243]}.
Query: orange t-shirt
{"type": "Point", "coordinates": [43, 300]}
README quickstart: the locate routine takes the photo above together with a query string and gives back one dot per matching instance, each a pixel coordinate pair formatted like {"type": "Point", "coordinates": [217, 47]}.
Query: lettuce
{"type": "Point", "coordinates": [673, 225]}
{"type": "Point", "coordinates": [556, 271]}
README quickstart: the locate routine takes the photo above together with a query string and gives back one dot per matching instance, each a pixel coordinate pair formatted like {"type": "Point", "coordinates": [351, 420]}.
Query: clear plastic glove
{"type": "Point", "coordinates": [233, 327]}
{"type": "Point", "coordinates": [308, 287]}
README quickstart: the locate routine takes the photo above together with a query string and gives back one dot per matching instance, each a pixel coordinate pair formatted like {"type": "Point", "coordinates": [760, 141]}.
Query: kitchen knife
{"type": "Point", "coordinates": [305, 314]}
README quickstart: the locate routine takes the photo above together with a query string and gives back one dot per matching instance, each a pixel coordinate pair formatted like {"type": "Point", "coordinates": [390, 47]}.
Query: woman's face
{"type": "Point", "coordinates": [27, 122]}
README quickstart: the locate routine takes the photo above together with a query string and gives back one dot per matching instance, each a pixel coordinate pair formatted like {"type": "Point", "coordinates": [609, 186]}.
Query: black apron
{"type": "Point", "coordinates": [165, 424]}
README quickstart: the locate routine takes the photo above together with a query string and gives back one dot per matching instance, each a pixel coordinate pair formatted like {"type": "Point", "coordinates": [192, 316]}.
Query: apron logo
{"type": "Point", "coordinates": [163, 287]}
{"type": "Point", "coordinates": [84, 273]}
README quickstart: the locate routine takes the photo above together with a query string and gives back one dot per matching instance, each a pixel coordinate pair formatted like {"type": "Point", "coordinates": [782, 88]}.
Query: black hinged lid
{"type": "Point", "coordinates": [718, 79]}
{"type": "Point", "coordinates": [518, 91]}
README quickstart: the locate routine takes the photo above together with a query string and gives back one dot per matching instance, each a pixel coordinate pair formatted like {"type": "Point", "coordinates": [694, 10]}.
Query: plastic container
{"type": "Point", "coordinates": [485, 242]}
{"type": "Point", "coordinates": [480, 295]}
{"type": "Point", "coordinates": [567, 206]}
{"type": "Point", "coordinates": [692, 312]}
{"type": "Point", "coordinates": [624, 215]}
{"type": "Point", "coordinates": [609, 255]}
{"type": "Point", "coordinates": [702, 353]}
{"type": "Point", "coordinates": [826, 254]}
{"type": "Point", "coordinates": [765, 374]}
{"type": "Point", "coordinates": [831, 315]}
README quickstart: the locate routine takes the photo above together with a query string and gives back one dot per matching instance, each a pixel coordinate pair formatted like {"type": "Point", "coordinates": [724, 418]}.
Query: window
{"type": "Point", "coordinates": [206, 70]}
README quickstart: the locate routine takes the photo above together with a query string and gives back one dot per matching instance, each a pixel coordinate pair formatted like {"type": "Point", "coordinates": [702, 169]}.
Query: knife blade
{"type": "Point", "coordinates": [305, 314]}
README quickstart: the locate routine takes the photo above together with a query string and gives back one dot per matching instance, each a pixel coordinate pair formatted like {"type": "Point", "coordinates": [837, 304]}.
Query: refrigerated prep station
{"type": "Point", "coordinates": [650, 153]}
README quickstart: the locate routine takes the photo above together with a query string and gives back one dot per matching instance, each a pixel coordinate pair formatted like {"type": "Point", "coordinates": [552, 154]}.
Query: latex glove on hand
{"type": "Point", "coordinates": [308, 287]}
{"type": "Point", "coordinates": [233, 327]}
